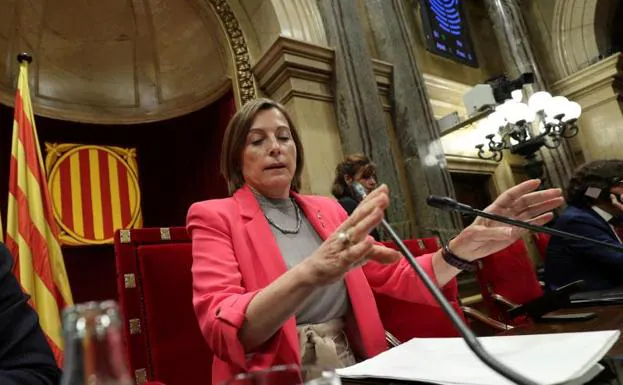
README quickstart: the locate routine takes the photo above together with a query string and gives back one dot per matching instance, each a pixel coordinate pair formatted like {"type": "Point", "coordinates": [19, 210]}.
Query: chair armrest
{"type": "Point", "coordinates": [391, 340]}
{"type": "Point", "coordinates": [479, 316]}
{"type": "Point", "coordinates": [503, 301]}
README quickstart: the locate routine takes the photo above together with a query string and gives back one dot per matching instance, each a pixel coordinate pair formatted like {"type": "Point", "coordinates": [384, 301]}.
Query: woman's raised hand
{"type": "Point", "coordinates": [350, 244]}
{"type": "Point", "coordinates": [521, 202]}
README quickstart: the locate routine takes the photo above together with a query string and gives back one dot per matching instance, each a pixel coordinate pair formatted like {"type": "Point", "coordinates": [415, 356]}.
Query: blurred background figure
{"type": "Point", "coordinates": [25, 356]}
{"type": "Point", "coordinates": [355, 168]}
{"type": "Point", "coordinates": [595, 211]}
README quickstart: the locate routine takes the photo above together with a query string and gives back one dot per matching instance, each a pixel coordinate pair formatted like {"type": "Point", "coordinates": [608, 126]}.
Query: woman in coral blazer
{"type": "Point", "coordinates": [246, 290]}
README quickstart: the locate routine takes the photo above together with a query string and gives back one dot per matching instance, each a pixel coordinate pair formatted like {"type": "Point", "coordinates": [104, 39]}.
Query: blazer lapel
{"type": "Point", "coordinates": [266, 251]}
{"type": "Point", "coordinates": [314, 215]}
{"type": "Point", "coordinates": [264, 247]}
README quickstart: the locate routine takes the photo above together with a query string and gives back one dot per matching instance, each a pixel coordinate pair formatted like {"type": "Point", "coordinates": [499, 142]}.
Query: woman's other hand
{"type": "Point", "coordinates": [350, 244]}
{"type": "Point", "coordinates": [522, 202]}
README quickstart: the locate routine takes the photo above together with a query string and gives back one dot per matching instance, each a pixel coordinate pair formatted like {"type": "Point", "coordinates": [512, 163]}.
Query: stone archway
{"type": "Point", "coordinates": [578, 32]}
{"type": "Point", "coordinates": [253, 26]}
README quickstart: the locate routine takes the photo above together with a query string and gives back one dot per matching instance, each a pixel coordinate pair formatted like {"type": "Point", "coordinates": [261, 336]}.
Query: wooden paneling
{"type": "Point", "coordinates": [115, 61]}
{"type": "Point", "coordinates": [94, 68]}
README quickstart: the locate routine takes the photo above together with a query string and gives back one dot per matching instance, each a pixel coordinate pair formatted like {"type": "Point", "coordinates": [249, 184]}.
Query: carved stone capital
{"type": "Point", "coordinates": [588, 84]}
{"type": "Point", "coordinates": [295, 68]}
{"type": "Point", "coordinates": [383, 75]}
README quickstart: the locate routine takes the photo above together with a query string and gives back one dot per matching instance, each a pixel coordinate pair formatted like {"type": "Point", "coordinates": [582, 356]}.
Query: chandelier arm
{"type": "Point", "coordinates": [570, 131]}
{"type": "Point", "coordinates": [555, 141]}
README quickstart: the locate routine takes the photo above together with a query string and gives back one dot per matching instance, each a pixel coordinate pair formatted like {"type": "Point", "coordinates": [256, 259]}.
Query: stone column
{"type": "Point", "coordinates": [416, 128]}
{"type": "Point", "coordinates": [512, 36]}
{"type": "Point", "coordinates": [360, 116]}
{"type": "Point", "coordinates": [298, 75]}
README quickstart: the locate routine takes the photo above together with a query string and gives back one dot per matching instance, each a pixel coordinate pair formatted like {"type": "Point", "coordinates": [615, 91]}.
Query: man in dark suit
{"type": "Point", "coordinates": [595, 211]}
{"type": "Point", "coordinates": [25, 356]}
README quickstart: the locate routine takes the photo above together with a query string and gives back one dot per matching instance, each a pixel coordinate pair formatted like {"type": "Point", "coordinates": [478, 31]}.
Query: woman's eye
{"type": "Point", "coordinates": [284, 138]}
{"type": "Point", "coordinates": [257, 142]}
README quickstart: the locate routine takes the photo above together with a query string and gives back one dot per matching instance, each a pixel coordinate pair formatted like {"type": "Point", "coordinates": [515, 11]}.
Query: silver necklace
{"type": "Point", "coordinates": [299, 221]}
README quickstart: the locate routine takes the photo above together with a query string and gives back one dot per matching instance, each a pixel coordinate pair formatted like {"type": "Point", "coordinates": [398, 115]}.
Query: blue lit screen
{"type": "Point", "coordinates": [446, 30]}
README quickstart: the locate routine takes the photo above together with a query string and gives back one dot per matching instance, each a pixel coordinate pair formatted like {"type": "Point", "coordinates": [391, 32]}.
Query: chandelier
{"type": "Point", "coordinates": [524, 128]}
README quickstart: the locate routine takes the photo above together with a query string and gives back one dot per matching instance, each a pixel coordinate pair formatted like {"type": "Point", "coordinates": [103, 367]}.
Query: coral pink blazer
{"type": "Point", "coordinates": [235, 255]}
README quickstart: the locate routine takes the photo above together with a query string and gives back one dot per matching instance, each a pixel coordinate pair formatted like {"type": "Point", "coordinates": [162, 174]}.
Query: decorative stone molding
{"type": "Point", "coordinates": [467, 164]}
{"type": "Point", "coordinates": [383, 74]}
{"type": "Point", "coordinates": [445, 96]}
{"type": "Point", "coordinates": [601, 120]}
{"type": "Point", "coordinates": [618, 80]}
{"type": "Point", "coordinates": [584, 84]}
{"type": "Point", "coordinates": [300, 20]}
{"type": "Point", "coordinates": [573, 35]}
{"type": "Point", "coordinates": [293, 68]}
{"type": "Point", "coordinates": [238, 44]}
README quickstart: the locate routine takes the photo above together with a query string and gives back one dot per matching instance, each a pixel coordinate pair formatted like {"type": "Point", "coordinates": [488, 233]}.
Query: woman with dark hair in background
{"type": "Point", "coordinates": [355, 168]}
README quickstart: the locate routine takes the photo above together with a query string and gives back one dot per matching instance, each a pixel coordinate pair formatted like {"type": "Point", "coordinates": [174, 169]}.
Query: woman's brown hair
{"type": "Point", "coordinates": [350, 167]}
{"type": "Point", "coordinates": [235, 138]}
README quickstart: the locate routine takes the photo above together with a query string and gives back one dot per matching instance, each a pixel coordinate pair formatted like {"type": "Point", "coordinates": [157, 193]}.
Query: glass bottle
{"type": "Point", "coordinates": [94, 353]}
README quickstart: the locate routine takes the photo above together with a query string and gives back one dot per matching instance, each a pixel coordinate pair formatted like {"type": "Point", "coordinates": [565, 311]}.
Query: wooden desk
{"type": "Point", "coordinates": [608, 318]}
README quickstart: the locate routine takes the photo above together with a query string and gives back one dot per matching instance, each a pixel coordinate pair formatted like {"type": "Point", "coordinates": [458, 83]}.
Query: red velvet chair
{"type": "Point", "coordinates": [154, 282]}
{"type": "Point", "coordinates": [406, 320]}
{"type": "Point", "coordinates": [431, 244]}
{"type": "Point", "coordinates": [507, 278]}
{"type": "Point", "coordinates": [541, 240]}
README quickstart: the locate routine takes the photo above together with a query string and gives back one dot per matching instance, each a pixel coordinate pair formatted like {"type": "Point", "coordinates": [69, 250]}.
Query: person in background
{"type": "Point", "coordinates": [25, 356]}
{"type": "Point", "coordinates": [281, 277]}
{"type": "Point", "coordinates": [595, 211]}
{"type": "Point", "coordinates": [355, 168]}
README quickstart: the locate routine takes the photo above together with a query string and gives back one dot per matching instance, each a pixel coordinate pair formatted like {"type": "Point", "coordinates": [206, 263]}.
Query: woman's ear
{"type": "Point", "coordinates": [348, 179]}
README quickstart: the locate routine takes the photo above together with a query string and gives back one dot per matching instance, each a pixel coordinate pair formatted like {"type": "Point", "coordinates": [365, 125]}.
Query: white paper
{"type": "Point", "coordinates": [545, 358]}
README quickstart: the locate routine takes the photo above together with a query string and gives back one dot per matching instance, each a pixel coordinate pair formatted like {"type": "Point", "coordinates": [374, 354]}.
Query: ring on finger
{"type": "Point", "coordinates": [344, 238]}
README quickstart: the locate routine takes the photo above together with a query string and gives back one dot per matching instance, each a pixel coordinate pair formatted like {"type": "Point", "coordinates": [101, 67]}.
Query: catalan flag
{"type": "Point", "coordinates": [32, 234]}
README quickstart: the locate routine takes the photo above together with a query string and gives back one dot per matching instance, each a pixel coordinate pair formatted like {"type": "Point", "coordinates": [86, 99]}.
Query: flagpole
{"type": "Point", "coordinates": [32, 234]}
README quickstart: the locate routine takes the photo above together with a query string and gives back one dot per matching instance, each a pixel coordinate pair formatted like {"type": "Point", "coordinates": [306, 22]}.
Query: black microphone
{"type": "Point", "coordinates": [449, 204]}
{"type": "Point", "coordinates": [470, 339]}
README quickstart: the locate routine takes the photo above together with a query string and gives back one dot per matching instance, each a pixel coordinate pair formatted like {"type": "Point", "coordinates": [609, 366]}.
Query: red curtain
{"type": "Point", "coordinates": [178, 164]}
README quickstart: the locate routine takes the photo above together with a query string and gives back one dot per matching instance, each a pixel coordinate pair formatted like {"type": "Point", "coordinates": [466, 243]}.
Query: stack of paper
{"type": "Point", "coordinates": [545, 358]}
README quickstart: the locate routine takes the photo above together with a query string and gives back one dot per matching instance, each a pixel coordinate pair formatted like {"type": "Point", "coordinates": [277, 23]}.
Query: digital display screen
{"type": "Point", "coordinates": [446, 31]}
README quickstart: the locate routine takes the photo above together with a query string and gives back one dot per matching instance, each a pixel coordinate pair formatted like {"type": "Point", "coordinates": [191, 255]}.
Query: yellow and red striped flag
{"type": "Point", "coordinates": [32, 234]}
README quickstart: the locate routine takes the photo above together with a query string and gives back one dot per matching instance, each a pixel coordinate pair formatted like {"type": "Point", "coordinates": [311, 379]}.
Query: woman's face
{"type": "Point", "coordinates": [269, 155]}
{"type": "Point", "coordinates": [367, 181]}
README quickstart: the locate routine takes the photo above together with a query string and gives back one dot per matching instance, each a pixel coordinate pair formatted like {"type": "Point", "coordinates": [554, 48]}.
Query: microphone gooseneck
{"type": "Point", "coordinates": [470, 338]}
{"type": "Point", "coordinates": [449, 204]}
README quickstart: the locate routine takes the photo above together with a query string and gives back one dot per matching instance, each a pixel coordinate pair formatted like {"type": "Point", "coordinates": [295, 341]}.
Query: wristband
{"type": "Point", "coordinates": [452, 260]}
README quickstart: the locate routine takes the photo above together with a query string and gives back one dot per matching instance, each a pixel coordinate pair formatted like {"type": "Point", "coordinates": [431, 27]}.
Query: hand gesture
{"type": "Point", "coordinates": [616, 202]}
{"type": "Point", "coordinates": [350, 244]}
{"type": "Point", "coordinates": [522, 202]}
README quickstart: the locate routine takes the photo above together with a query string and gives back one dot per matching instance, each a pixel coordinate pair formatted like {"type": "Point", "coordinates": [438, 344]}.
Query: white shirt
{"type": "Point", "coordinates": [606, 217]}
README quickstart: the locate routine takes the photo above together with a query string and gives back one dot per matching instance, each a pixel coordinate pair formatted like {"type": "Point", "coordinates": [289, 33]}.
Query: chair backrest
{"type": "Point", "coordinates": [541, 240]}
{"type": "Point", "coordinates": [509, 273]}
{"type": "Point", "coordinates": [406, 320]}
{"type": "Point", "coordinates": [431, 244]}
{"type": "Point", "coordinates": [415, 246]}
{"type": "Point", "coordinates": [154, 281]}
